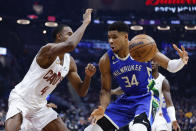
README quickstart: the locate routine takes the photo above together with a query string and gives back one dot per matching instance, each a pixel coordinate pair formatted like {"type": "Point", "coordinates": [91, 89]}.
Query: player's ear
{"type": "Point", "coordinates": [126, 36]}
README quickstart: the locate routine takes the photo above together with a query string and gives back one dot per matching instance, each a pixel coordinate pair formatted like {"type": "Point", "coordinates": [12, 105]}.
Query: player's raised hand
{"type": "Point", "coordinates": [96, 115]}
{"type": "Point", "coordinates": [176, 126]}
{"type": "Point", "coordinates": [87, 16]}
{"type": "Point", "coordinates": [182, 53]}
{"type": "Point", "coordinates": [90, 70]}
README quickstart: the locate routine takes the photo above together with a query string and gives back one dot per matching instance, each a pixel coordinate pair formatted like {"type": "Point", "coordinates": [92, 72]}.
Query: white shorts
{"type": "Point", "coordinates": [27, 125]}
{"type": "Point", "coordinates": [160, 124]}
{"type": "Point", "coordinates": [38, 117]}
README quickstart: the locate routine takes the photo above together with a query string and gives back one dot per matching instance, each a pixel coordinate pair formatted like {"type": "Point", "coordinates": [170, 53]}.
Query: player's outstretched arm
{"type": "Point", "coordinates": [80, 86]}
{"type": "Point", "coordinates": [172, 65]}
{"type": "Point", "coordinates": [105, 93]}
{"type": "Point", "coordinates": [74, 39]}
{"type": "Point", "coordinates": [49, 52]}
{"type": "Point", "coordinates": [169, 103]}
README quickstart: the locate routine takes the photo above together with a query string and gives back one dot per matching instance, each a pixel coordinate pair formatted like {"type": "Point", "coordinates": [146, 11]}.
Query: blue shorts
{"type": "Point", "coordinates": [122, 111]}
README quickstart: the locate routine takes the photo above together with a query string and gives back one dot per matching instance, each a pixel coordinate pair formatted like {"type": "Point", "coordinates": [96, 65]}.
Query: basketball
{"type": "Point", "coordinates": [142, 48]}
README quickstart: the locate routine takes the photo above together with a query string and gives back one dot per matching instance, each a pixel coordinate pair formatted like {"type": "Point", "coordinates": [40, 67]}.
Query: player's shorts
{"type": "Point", "coordinates": [124, 109]}
{"type": "Point", "coordinates": [39, 117]}
{"type": "Point", "coordinates": [161, 124]}
{"type": "Point", "coordinates": [27, 125]}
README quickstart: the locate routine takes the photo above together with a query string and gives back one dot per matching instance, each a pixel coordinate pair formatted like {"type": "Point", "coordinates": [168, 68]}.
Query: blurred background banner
{"type": "Point", "coordinates": [170, 6]}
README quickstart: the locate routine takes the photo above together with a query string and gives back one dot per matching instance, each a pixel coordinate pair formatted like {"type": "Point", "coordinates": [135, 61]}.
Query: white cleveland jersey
{"type": "Point", "coordinates": [38, 83]}
{"type": "Point", "coordinates": [158, 85]}
{"type": "Point", "coordinates": [160, 122]}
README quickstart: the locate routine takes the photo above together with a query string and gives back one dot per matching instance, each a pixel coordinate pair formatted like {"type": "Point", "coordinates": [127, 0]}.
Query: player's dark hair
{"type": "Point", "coordinates": [57, 30]}
{"type": "Point", "coordinates": [119, 26]}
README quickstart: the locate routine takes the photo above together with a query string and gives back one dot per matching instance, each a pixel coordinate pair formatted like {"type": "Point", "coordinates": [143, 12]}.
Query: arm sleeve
{"type": "Point", "coordinates": [171, 113]}
{"type": "Point", "coordinates": [175, 65]}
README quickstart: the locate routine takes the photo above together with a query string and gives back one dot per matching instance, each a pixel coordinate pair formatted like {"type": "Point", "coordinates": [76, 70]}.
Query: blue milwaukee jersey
{"type": "Point", "coordinates": [132, 76]}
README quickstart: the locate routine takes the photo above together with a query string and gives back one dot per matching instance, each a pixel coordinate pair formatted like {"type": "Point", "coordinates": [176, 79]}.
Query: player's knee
{"type": "Point", "coordinates": [93, 128]}
{"type": "Point", "coordinates": [141, 121]}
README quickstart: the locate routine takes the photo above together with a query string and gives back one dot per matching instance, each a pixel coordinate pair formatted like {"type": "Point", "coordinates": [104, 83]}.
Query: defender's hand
{"type": "Point", "coordinates": [90, 70]}
{"type": "Point", "coordinates": [87, 16]}
{"type": "Point", "coordinates": [96, 115]}
{"type": "Point", "coordinates": [182, 53]}
{"type": "Point", "coordinates": [51, 105]}
{"type": "Point", "coordinates": [176, 126]}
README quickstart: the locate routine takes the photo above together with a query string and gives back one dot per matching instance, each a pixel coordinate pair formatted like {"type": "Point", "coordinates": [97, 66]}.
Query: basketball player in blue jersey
{"type": "Point", "coordinates": [132, 76]}
{"type": "Point", "coordinates": [165, 117]}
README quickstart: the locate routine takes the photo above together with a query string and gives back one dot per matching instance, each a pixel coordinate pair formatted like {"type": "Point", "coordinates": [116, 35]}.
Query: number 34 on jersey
{"type": "Point", "coordinates": [134, 81]}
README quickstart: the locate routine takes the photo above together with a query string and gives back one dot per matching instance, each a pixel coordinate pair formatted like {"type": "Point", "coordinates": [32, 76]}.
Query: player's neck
{"type": "Point", "coordinates": [155, 74]}
{"type": "Point", "coordinates": [123, 52]}
{"type": "Point", "coordinates": [61, 57]}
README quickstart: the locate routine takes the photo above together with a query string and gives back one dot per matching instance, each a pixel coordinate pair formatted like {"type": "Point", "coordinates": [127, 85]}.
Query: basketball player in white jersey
{"type": "Point", "coordinates": [52, 63]}
{"type": "Point", "coordinates": [162, 85]}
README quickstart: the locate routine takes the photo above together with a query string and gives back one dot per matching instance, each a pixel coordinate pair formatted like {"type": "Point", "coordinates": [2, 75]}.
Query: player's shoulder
{"type": "Point", "coordinates": [104, 61]}
{"type": "Point", "coordinates": [165, 85]}
{"type": "Point", "coordinates": [48, 45]}
{"type": "Point", "coordinates": [166, 80]}
{"type": "Point", "coordinates": [44, 49]}
{"type": "Point", "coordinates": [43, 52]}
{"type": "Point", "coordinates": [71, 58]}
{"type": "Point", "coordinates": [104, 57]}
